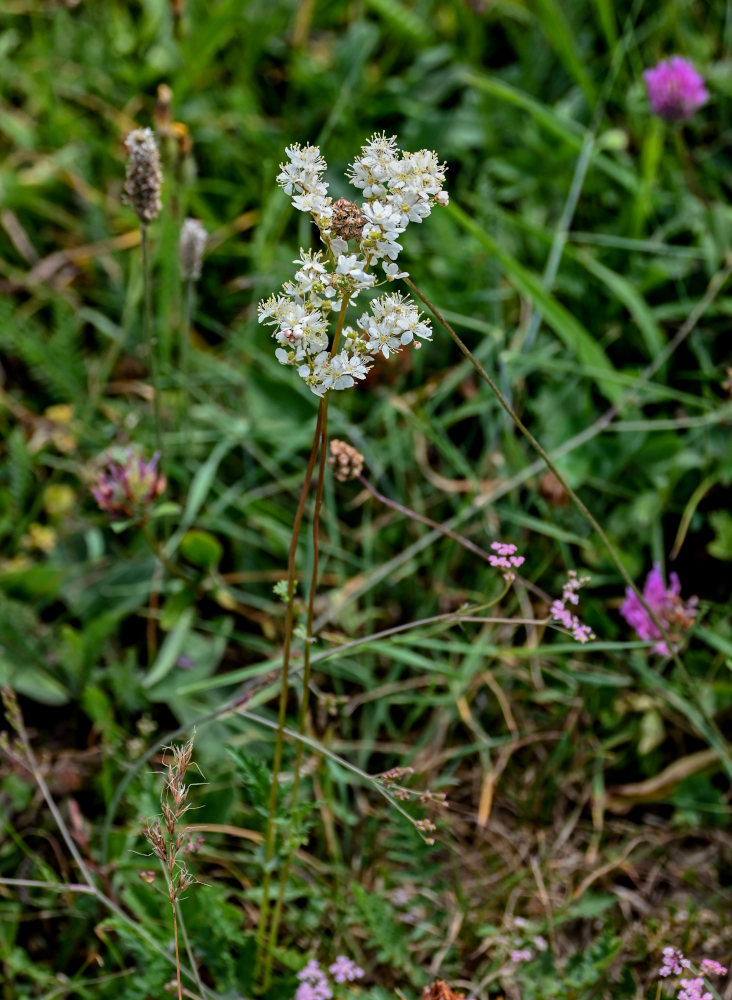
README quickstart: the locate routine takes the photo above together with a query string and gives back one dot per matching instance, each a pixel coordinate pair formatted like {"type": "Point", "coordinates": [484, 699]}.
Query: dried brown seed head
{"type": "Point", "coordinates": [345, 460]}
{"type": "Point", "coordinates": [347, 220]}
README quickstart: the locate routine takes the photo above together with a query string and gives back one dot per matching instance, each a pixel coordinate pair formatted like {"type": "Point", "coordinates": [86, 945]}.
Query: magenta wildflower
{"type": "Point", "coordinates": [674, 962]}
{"type": "Point", "coordinates": [561, 613]}
{"type": "Point", "coordinates": [675, 89]}
{"type": "Point", "coordinates": [505, 558]}
{"type": "Point", "coordinates": [345, 970]}
{"type": "Point", "coordinates": [128, 488]}
{"type": "Point", "coordinates": [710, 967]}
{"type": "Point", "coordinates": [675, 615]}
{"type": "Point", "coordinates": [691, 989]}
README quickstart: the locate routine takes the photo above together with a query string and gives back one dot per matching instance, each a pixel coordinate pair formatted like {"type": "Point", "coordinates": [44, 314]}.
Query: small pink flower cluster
{"type": "Point", "coordinates": [345, 970]}
{"type": "Point", "coordinates": [562, 614]}
{"type": "Point", "coordinates": [519, 955]}
{"type": "Point", "coordinates": [693, 989]}
{"type": "Point", "coordinates": [314, 984]}
{"type": "Point", "coordinates": [674, 964]}
{"type": "Point", "coordinates": [506, 559]}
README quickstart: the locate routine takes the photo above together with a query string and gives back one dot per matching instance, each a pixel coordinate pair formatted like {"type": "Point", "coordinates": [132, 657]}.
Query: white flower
{"type": "Point", "coordinates": [314, 202]}
{"type": "Point", "coordinates": [392, 271]}
{"type": "Point", "coordinates": [398, 188]}
{"type": "Point", "coordinates": [351, 267]}
{"type": "Point", "coordinates": [393, 323]}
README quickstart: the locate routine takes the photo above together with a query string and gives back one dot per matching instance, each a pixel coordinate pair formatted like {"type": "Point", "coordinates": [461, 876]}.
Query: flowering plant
{"type": "Point", "coordinates": [129, 487]}
{"type": "Point", "coordinates": [675, 89]}
{"type": "Point", "coordinates": [399, 188]}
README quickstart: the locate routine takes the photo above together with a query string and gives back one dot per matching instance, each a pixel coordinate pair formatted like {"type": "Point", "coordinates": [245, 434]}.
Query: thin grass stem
{"type": "Point", "coordinates": [109, 904]}
{"type": "Point", "coordinates": [721, 745]}
{"type": "Point", "coordinates": [185, 350]}
{"type": "Point", "coordinates": [150, 338]}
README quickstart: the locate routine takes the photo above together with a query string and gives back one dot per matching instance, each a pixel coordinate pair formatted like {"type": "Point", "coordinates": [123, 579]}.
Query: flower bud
{"type": "Point", "coordinates": [191, 246]}
{"type": "Point", "coordinates": [127, 489]}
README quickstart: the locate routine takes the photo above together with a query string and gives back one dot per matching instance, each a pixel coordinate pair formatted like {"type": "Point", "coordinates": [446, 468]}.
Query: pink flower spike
{"type": "Point", "coordinates": [676, 615]}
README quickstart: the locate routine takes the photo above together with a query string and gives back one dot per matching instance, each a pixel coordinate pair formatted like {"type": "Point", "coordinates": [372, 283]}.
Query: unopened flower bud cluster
{"type": "Point", "coordinates": [398, 188]}
{"type": "Point", "coordinates": [345, 460]}
{"type": "Point", "coordinates": [191, 247]}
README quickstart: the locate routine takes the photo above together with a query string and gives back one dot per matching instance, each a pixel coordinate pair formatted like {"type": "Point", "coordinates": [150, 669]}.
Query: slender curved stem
{"type": "Point", "coordinates": [177, 954]}
{"type": "Point", "coordinates": [284, 688]}
{"type": "Point", "coordinates": [466, 543]}
{"type": "Point", "coordinates": [150, 339]}
{"type": "Point", "coordinates": [277, 913]}
{"type": "Point", "coordinates": [726, 758]}
{"type": "Point", "coordinates": [185, 349]}
{"type": "Point", "coordinates": [16, 720]}
{"type": "Point", "coordinates": [321, 437]}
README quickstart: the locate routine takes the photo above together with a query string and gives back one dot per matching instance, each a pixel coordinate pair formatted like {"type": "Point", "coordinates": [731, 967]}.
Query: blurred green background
{"type": "Point", "coordinates": [582, 235]}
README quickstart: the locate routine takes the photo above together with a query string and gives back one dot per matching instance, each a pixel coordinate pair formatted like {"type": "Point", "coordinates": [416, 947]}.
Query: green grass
{"type": "Point", "coordinates": [582, 236]}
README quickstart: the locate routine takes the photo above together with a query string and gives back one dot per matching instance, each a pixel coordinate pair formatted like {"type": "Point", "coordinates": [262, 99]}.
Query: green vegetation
{"type": "Point", "coordinates": [585, 260]}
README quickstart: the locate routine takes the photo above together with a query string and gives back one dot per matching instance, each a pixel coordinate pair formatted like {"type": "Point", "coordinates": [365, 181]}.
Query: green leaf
{"type": "Point", "coordinates": [171, 649]}
{"type": "Point", "coordinates": [721, 545]}
{"type": "Point", "coordinates": [631, 298]}
{"type": "Point", "coordinates": [554, 21]}
{"type": "Point", "coordinates": [34, 682]}
{"type": "Point", "coordinates": [201, 548]}
{"type": "Point", "coordinates": [574, 336]}
{"type": "Point", "coordinates": [255, 777]}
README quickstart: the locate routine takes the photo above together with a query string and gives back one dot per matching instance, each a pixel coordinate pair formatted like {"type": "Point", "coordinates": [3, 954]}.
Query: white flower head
{"type": "Point", "coordinates": [398, 188]}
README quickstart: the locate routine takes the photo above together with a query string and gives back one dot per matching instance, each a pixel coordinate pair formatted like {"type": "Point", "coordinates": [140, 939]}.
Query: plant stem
{"type": "Point", "coordinates": [185, 348]}
{"type": "Point", "coordinates": [150, 339]}
{"type": "Point", "coordinates": [413, 515]}
{"type": "Point", "coordinates": [304, 704]}
{"type": "Point", "coordinates": [16, 720]}
{"type": "Point", "coordinates": [319, 440]}
{"type": "Point", "coordinates": [718, 738]}
{"type": "Point", "coordinates": [284, 688]}
{"type": "Point", "coordinates": [177, 955]}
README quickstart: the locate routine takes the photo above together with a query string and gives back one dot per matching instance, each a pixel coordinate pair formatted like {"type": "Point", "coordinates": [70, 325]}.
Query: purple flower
{"type": "Point", "coordinates": [675, 89]}
{"type": "Point", "coordinates": [673, 962]}
{"type": "Point", "coordinates": [313, 983]}
{"type": "Point", "coordinates": [345, 970]}
{"type": "Point", "coordinates": [521, 955]}
{"type": "Point", "coordinates": [691, 989]}
{"type": "Point", "coordinates": [561, 613]}
{"type": "Point", "coordinates": [675, 615]}
{"type": "Point", "coordinates": [709, 967]}
{"type": "Point", "coordinates": [505, 558]}
{"type": "Point", "coordinates": [127, 488]}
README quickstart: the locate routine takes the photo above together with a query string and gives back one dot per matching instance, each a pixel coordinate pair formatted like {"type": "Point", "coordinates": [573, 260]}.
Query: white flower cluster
{"type": "Point", "coordinates": [398, 188]}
